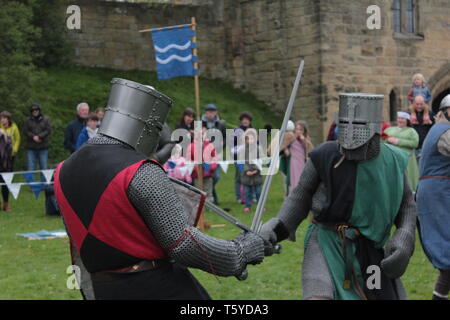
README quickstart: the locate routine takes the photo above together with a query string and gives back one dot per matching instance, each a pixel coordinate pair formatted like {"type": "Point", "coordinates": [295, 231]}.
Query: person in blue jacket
{"type": "Point", "coordinates": [433, 199]}
{"type": "Point", "coordinates": [89, 131]}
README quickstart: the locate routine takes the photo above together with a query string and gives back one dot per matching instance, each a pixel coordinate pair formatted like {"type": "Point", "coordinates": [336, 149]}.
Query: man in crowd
{"type": "Point", "coordinates": [433, 199]}
{"type": "Point", "coordinates": [37, 129]}
{"type": "Point", "coordinates": [74, 128]}
{"type": "Point", "coordinates": [356, 189]}
{"type": "Point", "coordinates": [421, 119]}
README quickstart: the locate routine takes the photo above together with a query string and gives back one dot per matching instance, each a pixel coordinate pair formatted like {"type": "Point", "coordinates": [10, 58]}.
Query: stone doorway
{"type": "Point", "coordinates": [437, 100]}
{"type": "Point", "coordinates": [439, 85]}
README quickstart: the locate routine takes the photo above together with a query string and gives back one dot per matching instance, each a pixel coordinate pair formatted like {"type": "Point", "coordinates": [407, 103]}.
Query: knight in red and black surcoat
{"type": "Point", "coordinates": [128, 229]}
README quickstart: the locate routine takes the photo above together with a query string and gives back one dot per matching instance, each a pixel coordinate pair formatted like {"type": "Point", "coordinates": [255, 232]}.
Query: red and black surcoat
{"type": "Point", "coordinates": [103, 225]}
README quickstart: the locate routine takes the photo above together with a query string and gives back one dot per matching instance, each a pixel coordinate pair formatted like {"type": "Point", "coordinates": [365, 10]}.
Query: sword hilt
{"type": "Point", "coordinates": [243, 276]}
{"type": "Point", "coordinates": [277, 248]}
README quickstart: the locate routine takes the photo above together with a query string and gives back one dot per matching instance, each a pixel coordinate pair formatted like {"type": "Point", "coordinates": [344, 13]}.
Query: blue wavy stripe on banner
{"type": "Point", "coordinates": [173, 52]}
{"type": "Point", "coordinates": [36, 188]}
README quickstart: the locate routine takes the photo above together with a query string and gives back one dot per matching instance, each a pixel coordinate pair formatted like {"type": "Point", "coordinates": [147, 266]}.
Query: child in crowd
{"type": "Point", "coordinates": [209, 162]}
{"type": "Point", "coordinates": [176, 166]}
{"type": "Point", "coordinates": [89, 131]}
{"type": "Point", "coordinates": [419, 88]}
{"type": "Point", "coordinates": [251, 177]}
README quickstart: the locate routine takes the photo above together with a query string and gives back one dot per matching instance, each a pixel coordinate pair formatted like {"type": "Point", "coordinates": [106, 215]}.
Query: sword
{"type": "Point", "coordinates": [257, 219]}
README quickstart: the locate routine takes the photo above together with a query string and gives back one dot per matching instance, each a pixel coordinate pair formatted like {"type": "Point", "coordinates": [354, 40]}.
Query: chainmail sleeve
{"type": "Point", "coordinates": [298, 204]}
{"type": "Point", "coordinates": [155, 199]}
{"type": "Point", "coordinates": [400, 246]}
{"type": "Point", "coordinates": [406, 217]}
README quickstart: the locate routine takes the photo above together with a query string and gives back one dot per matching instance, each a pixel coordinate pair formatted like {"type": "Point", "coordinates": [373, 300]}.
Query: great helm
{"type": "Point", "coordinates": [135, 115]}
{"type": "Point", "coordinates": [360, 117]}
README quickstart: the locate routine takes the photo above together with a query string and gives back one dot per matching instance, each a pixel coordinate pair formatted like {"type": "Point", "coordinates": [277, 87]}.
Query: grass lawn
{"type": "Point", "coordinates": [37, 269]}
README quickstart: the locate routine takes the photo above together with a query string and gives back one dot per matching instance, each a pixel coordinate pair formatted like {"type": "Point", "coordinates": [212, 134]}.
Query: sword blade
{"type": "Point", "coordinates": [257, 219]}
{"type": "Point", "coordinates": [226, 216]}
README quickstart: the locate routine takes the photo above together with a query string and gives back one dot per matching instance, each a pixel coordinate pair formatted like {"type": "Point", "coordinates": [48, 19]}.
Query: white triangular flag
{"type": "Point", "coordinates": [14, 188]}
{"type": "Point", "coordinates": [48, 174]}
{"type": "Point", "coordinates": [259, 164]}
{"type": "Point", "coordinates": [190, 166]}
{"type": "Point", "coordinates": [183, 170]}
{"type": "Point", "coordinates": [224, 165]}
{"type": "Point", "coordinates": [7, 177]}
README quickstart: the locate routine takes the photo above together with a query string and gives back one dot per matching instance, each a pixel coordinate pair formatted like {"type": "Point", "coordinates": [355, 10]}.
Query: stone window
{"type": "Point", "coordinates": [397, 16]}
{"type": "Point", "coordinates": [406, 19]}
{"type": "Point", "coordinates": [410, 16]}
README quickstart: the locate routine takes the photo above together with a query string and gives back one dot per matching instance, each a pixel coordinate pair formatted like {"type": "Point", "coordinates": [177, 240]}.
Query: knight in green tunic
{"type": "Point", "coordinates": [357, 191]}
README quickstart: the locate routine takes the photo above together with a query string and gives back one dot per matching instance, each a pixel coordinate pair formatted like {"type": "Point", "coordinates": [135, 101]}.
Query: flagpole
{"type": "Point", "coordinates": [200, 185]}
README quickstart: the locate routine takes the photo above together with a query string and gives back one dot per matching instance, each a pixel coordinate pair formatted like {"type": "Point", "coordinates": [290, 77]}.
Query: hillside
{"type": "Point", "coordinates": [64, 88]}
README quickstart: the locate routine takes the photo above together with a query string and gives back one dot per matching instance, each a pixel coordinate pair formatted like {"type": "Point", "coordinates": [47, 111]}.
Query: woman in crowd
{"type": "Point", "coordinates": [187, 120]}
{"type": "Point", "coordinates": [285, 156]}
{"type": "Point", "coordinates": [237, 150]}
{"type": "Point", "coordinates": [100, 112]}
{"type": "Point", "coordinates": [9, 128]}
{"type": "Point", "coordinates": [297, 151]}
{"type": "Point", "coordinates": [407, 139]}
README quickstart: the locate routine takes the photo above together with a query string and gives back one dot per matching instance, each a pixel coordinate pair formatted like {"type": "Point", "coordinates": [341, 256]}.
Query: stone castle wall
{"type": "Point", "coordinates": [257, 45]}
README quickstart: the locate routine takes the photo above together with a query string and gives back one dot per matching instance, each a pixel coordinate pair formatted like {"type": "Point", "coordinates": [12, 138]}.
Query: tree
{"type": "Point", "coordinates": [17, 71]}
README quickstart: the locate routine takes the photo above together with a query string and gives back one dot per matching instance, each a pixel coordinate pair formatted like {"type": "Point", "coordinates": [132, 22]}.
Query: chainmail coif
{"type": "Point", "coordinates": [154, 197]}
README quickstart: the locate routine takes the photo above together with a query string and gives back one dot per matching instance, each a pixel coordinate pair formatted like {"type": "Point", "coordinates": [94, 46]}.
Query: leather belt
{"type": "Point", "coordinates": [144, 265]}
{"type": "Point", "coordinates": [346, 233]}
{"type": "Point", "coordinates": [429, 177]}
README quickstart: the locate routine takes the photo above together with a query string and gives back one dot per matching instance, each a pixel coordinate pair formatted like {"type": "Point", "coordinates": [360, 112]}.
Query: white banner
{"type": "Point", "coordinates": [190, 167]}
{"type": "Point", "coordinates": [14, 188]}
{"type": "Point", "coordinates": [48, 174]}
{"type": "Point", "coordinates": [183, 170]}
{"type": "Point", "coordinates": [7, 177]}
{"type": "Point", "coordinates": [224, 165]}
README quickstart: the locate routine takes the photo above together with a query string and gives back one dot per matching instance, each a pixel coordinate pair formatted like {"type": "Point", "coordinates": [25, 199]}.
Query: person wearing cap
{"type": "Point", "coordinates": [210, 120]}
{"type": "Point", "coordinates": [10, 128]}
{"type": "Point", "coordinates": [406, 138]}
{"type": "Point", "coordinates": [433, 200]}
{"type": "Point", "coordinates": [37, 129]}
{"type": "Point", "coordinates": [74, 128]}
